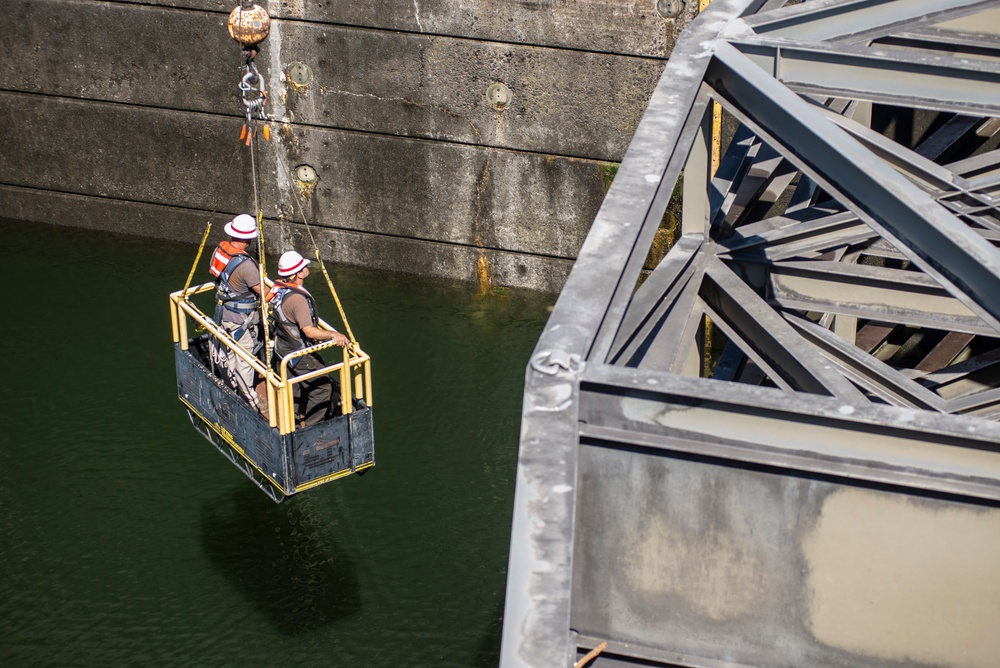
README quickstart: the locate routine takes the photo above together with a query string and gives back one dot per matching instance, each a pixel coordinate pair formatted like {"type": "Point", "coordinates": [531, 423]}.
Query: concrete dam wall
{"type": "Point", "coordinates": [125, 116]}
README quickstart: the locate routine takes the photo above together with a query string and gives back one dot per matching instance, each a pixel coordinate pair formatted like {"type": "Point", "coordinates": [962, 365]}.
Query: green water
{"type": "Point", "coordinates": [127, 540]}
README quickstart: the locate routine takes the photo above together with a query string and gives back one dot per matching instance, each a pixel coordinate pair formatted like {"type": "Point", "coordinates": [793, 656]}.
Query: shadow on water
{"type": "Point", "coordinates": [488, 651]}
{"type": "Point", "coordinates": [281, 560]}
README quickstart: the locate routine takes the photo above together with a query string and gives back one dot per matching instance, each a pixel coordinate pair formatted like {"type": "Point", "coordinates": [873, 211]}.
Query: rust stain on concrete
{"type": "Point", "coordinates": [483, 272]}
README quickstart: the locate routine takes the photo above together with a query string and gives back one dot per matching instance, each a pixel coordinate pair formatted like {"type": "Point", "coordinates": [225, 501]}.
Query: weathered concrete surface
{"type": "Point", "coordinates": [151, 56]}
{"type": "Point", "coordinates": [34, 205]}
{"type": "Point", "coordinates": [386, 253]}
{"type": "Point", "coordinates": [519, 201]}
{"type": "Point", "coordinates": [124, 152]}
{"type": "Point", "coordinates": [441, 260]}
{"type": "Point", "coordinates": [137, 103]}
{"type": "Point", "coordinates": [369, 183]}
{"type": "Point", "coordinates": [563, 102]}
{"type": "Point", "coordinates": [632, 27]}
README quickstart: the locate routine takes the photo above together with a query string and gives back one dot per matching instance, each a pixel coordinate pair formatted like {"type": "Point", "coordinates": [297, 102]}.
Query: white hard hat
{"type": "Point", "coordinates": [242, 226]}
{"type": "Point", "coordinates": [291, 263]}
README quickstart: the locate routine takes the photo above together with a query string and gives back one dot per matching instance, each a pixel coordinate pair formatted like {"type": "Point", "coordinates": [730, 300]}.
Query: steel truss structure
{"type": "Point", "coordinates": [780, 445]}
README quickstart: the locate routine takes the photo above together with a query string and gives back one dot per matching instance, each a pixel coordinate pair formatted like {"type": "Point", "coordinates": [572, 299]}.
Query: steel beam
{"type": "Point", "coordinates": [654, 298]}
{"type": "Point", "coordinates": [776, 341]}
{"type": "Point", "coordinates": [756, 242]}
{"type": "Point", "coordinates": [877, 293]}
{"type": "Point", "coordinates": [629, 457]}
{"type": "Point", "coordinates": [967, 265]}
{"type": "Point", "coordinates": [926, 81]}
{"type": "Point", "coordinates": [536, 617]}
{"type": "Point", "coordinates": [858, 20]}
{"type": "Point", "coordinates": [767, 426]}
{"type": "Point", "coordinates": [878, 378]}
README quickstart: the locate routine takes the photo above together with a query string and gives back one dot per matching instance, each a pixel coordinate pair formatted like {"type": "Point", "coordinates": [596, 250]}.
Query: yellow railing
{"type": "Point", "coordinates": [354, 369]}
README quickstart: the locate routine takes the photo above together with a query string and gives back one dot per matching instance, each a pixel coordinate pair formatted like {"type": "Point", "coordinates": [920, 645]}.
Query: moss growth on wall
{"type": "Point", "coordinates": [670, 226]}
{"type": "Point", "coordinates": [608, 172]}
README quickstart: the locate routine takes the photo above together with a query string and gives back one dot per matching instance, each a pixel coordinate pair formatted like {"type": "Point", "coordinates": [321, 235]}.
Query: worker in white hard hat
{"type": "Point", "coordinates": [296, 327]}
{"type": "Point", "coordinates": [238, 305]}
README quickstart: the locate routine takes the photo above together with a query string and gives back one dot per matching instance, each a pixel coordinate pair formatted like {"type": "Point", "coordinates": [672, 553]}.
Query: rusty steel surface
{"type": "Point", "coordinates": [780, 447]}
{"type": "Point", "coordinates": [249, 25]}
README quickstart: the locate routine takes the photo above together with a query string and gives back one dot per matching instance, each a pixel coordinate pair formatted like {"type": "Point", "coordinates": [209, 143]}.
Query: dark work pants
{"type": "Point", "coordinates": [313, 397]}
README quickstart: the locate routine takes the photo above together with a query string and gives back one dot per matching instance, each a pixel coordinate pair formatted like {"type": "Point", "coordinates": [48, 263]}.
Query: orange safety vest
{"type": "Point", "coordinates": [224, 252]}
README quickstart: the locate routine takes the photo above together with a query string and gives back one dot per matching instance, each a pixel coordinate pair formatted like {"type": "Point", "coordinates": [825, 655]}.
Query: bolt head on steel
{"type": "Point", "coordinates": [249, 26]}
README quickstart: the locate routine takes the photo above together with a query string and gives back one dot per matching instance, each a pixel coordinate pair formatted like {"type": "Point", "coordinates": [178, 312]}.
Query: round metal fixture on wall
{"type": "Point", "coordinates": [299, 74]}
{"type": "Point", "coordinates": [306, 175]}
{"type": "Point", "coordinates": [670, 9]}
{"type": "Point", "coordinates": [499, 96]}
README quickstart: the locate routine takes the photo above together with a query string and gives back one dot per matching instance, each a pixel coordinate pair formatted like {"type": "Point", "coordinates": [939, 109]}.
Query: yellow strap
{"type": "Point", "coordinates": [319, 258]}
{"type": "Point", "coordinates": [343, 316]}
{"type": "Point", "coordinates": [204, 238]}
{"type": "Point", "coordinates": [263, 294]}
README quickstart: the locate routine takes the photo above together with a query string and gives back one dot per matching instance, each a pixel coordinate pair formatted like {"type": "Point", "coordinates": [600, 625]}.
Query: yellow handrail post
{"type": "Point", "coordinates": [345, 383]}
{"type": "Point", "coordinates": [287, 399]}
{"type": "Point", "coordinates": [182, 329]}
{"type": "Point", "coordinates": [285, 426]}
{"type": "Point", "coordinates": [368, 382]}
{"type": "Point", "coordinates": [282, 409]}
{"type": "Point", "coordinates": [279, 407]}
{"type": "Point", "coordinates": [173, 319]}
{"type": "Point", "coordinates": [272, 410]}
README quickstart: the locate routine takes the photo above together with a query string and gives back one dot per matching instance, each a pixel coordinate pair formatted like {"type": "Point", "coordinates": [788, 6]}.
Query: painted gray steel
{"type": "Point", "coordinates": [698, 506]}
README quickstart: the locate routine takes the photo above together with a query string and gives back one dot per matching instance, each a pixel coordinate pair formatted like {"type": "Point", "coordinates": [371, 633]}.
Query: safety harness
{"type": "Point", "coordinates": [287, 336]}
{"type": "Point", "coordinates": [225, 260]}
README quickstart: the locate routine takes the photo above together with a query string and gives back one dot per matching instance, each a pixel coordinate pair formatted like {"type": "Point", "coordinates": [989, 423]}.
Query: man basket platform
{"type": "Point", "coordinates": [271, 448]}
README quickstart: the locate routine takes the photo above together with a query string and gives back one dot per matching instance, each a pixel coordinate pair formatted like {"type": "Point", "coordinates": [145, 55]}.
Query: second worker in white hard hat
{"type": "Point", "coordinates": [238, 305]}
{"type": "Point", "coordinates": [296, 326]}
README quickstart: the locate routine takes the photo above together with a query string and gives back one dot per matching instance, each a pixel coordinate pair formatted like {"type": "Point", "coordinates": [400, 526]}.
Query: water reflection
{"type": "Point", "coordinates": [281, 559]}
{"type": "Point", "coordinates": [128, 540]}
